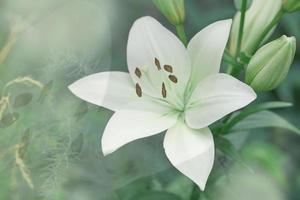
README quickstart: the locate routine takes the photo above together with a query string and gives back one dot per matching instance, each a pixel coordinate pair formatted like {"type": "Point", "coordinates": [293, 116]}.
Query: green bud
{"type": "Point", "coordinates": [271, 63]}
{"type": "Point", "coordinates": [258, 17]}
{"type": "Point", "coordinates": [173, 10]}
{"type": "Point", "coordinates": [291, 5]}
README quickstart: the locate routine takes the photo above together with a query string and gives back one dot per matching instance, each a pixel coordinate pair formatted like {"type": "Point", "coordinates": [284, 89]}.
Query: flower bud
{"type": "Point", "coordinates": [271, 63]}
{"type": "Point", "coordinates": [173, 10]}
{"type": "Point", "coordinates": [258, 17]}
{"type": "Point", "coordinates": [291, 5]}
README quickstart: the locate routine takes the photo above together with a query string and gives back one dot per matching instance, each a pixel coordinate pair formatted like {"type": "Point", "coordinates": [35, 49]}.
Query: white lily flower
{"type": "Point", "coordinates": [171, 88]}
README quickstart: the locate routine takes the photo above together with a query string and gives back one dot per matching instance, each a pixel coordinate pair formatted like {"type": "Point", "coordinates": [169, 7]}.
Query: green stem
{"type": "Point", "coordinates": [273, 23]}
{"type": "Point", "coordinates": [181, 33]}
{"type": "Point", "coordinates": [231, 60]}
{"type": "Point", "coordinates": [241, 28]}
{"type": "Point", "coordinates": [232, 121]}
{"type": "Point", "coordinates": [235, 71]}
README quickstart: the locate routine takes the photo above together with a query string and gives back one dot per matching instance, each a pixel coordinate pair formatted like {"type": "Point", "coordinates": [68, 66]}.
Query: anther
{"type": "Point", "coordinates": [138, 90]}
{"type": "Point", "coordinates": [163, 90]}
{"type": "Point", "coordinates": [173, 78]}
{"type": "Point", "coordinates": [157, 63]}
{"type": "Point", "coordinates": [168, 68]}
{"type": "Point", "coordinates": [138, 72]}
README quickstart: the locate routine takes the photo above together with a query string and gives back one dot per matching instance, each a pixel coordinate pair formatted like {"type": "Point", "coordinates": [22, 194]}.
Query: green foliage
{"type": "Point", "coordinates": [157, 195]}
{"type": "Point", "coordinates": [269, 158]}
{"type": "Point", "coordinates": [265, 119]}
{"type": "Point", "coordinates": [237, 117]}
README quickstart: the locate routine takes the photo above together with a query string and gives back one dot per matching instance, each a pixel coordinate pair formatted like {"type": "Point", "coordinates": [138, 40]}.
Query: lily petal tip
{"type": "Point", "coordinates": [74, 89]}
{"type": "Point", "coordinates": [252, 94]}
{"type": "Point", "coordinates": [227, 22]}
{"type": "Point", "coordinates": [106, 151]}
{"type": "Point", "coordinates": [201, 186]}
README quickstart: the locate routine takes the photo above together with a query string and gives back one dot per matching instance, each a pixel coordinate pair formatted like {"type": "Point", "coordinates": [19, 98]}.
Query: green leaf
{"type": "Point", "coordinates": [265, 119]}
{"type": "Point", "coordinates": [226, 147]}
{"type": "Point", "coordinates": [8, 119]}
{"type": "Point", "coordinates": [155, 195]}
{"type": "Point", "coordinates": [244, 58]}
{"type": "Point", "coordinates": [269, 157]}
{"type": "Point", "coordinates": [265, 106]}
{"type": "Point", "coordinates": [251, 110]}
{"type": "Point", "coordinates": [180, 186]}
{"type": "Point", "coordinates": [231, 60]}
{"type": "Point", "coordinates": [22, 100]}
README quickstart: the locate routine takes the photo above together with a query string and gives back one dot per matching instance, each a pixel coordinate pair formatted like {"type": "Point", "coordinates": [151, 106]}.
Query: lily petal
{"type": "Point", "coordinates": [215, 97]}
{"type": "Point", "coordinates": [191, 151]}
{"type": "Point", "coordinates": [128, 125]}
{"type": "Point", "coordinates": [206, 50]}
{"type": "Point", "coordinates": [150, 48]}
{"type": "Point", "coordinates": [107, 89]}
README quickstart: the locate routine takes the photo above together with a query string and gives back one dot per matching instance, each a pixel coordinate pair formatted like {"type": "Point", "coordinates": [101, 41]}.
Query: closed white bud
{"type": "Point", "coordinates": [258, 17]}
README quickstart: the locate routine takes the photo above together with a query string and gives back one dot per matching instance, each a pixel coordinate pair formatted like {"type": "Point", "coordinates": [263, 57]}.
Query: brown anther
{"type": "Point", "coordinates": [163, 90]}
{"type": "Point", "coordinates": [138, 90]}
{"type": "Point", "coordinates": [157, 63]}
{"type": "Point", "coordinates": [168, 68]}
{"type": "Point", "coordinates": [138, 72]}
{"type": "Point", "coordinates": [173, 78]}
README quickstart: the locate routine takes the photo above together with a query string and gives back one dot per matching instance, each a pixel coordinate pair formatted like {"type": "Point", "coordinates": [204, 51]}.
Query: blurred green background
{"type": "Point", "coordinates": [50, 139]}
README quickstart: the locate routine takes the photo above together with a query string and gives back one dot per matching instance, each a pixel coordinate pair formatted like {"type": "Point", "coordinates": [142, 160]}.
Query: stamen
{"type": "Point", "coordinates": [157, 63]}
{"type": "Point", "coordinates": [163, 90]}
{"type": "Point", "coordinates": [168, 68]}
{"type": "Point", "coordinates": [138, 90]}
{"type": "Point", "coordinates": [138, 72]}
{"type": "Point", "coordinates": [173, 78]}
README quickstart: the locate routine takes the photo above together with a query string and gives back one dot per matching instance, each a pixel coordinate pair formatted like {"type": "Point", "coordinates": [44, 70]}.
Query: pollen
{"type": "Point", "coordinates": [168, 68]}
{"type": "Point", "coordinates": [138, 90]}
{"type": "Point", "coordinates": [173, 78]}
{"type": "Point", "coordinates": [163, 90]}
{"type": "Point", "coordinates": [138, 72]}
{"type": "Point", "coordinates": [157, 63]}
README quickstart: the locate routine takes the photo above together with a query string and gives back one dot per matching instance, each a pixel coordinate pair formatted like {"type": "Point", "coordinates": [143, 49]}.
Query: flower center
{"type": "Point", "coordinates": [167, 70]}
